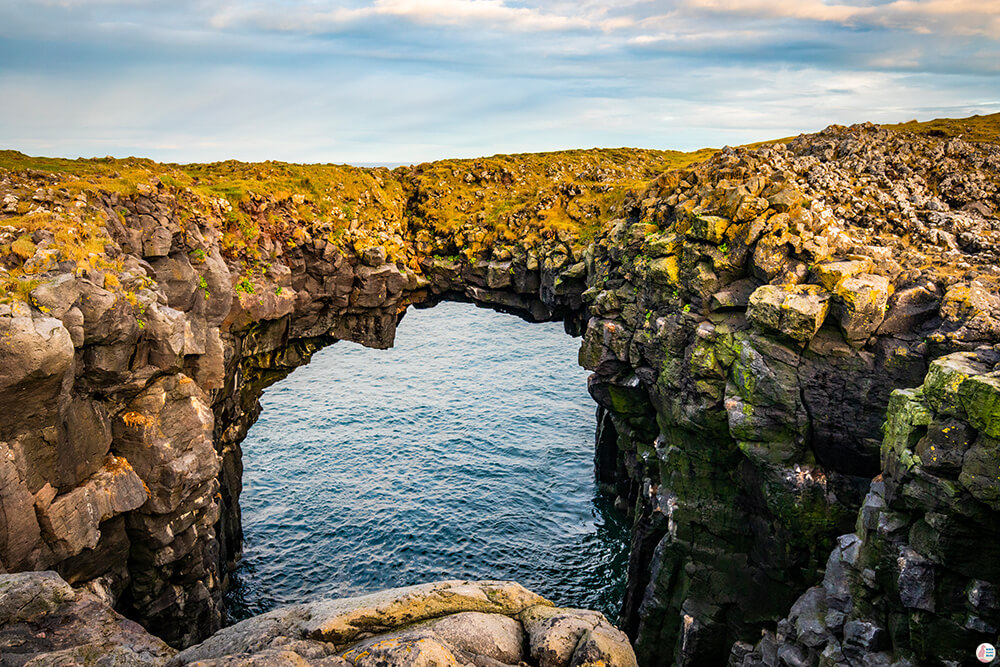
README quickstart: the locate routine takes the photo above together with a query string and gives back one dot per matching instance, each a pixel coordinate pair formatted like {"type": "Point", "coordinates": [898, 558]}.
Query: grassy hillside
{"type": "Point", "coordinates": [974, 128]}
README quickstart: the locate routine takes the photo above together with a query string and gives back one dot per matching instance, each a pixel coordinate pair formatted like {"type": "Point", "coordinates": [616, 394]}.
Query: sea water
{"type": "Point", "coordinates": [464, 452]}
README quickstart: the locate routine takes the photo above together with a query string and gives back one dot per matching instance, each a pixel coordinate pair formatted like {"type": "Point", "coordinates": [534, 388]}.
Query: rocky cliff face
{"type": "Point", "coordinates": [747, 320]}
{"type": "Point", "coordinates": [750, 320]}
{"type": "Point", "coordinates": [917, 579]}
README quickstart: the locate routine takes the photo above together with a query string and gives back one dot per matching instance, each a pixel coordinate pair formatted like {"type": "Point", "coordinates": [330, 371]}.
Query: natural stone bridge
{"type": "Point", "coordinates": [747, 322]}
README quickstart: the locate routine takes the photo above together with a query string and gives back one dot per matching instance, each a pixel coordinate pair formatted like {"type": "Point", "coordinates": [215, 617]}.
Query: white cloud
{"type": "Point", "coordinates": [318, 17]}
{"type": "Point", "coordinates": [968, 17]}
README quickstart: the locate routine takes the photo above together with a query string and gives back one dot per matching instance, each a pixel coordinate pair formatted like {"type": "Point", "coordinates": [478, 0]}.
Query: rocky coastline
{"type": "Point", "coordinates": [751, 320]}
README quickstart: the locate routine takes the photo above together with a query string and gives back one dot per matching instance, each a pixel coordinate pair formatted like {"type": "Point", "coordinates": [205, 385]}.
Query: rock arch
{"type": "Point", "coordinates": [747, 321]}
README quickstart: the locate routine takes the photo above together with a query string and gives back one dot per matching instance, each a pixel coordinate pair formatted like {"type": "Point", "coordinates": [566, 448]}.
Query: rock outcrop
{"type": "Point", "coordinates": [915, 583]}
{"type": "Point", "coordinates": [750, 320]}
{"type": "Point", "coordinates": [44, 621]}
{"type": "Point", "coordinates": [747, 320]}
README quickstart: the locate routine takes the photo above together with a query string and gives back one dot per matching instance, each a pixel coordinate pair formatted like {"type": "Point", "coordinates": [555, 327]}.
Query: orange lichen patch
{"type": "Point", "coordinates": [136, 420]}
{"type": "Point", "coordinates": [117, 465]}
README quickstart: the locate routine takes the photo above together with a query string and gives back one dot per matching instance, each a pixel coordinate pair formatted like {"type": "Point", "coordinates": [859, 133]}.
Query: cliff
{"type": "Point", "coordinates": [747, 319]}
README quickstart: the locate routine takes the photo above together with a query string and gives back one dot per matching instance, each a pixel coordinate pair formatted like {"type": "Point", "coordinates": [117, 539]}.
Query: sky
{"type": "Point", "coordinates": [405, 81]}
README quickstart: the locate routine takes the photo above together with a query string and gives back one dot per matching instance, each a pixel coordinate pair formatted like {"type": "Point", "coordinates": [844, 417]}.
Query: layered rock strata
{"type": "Point", "coordinates": [746, 319]}
{"type": "Point", "coordinates": [44, 621]}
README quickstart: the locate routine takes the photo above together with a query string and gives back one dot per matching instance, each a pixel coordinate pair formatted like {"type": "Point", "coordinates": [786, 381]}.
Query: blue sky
{"type": "Point", "coordinates": [399, 81]}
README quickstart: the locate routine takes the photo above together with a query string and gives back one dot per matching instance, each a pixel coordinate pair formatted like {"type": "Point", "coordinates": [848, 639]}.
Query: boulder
{"type": "Point", "coordinates": [831, 274]}
{"type": "Point", "coordinates": [493, 636]}
{"type": "Point", "coordinates": [797, 311]}
{"type": "Point", "coordinates": [577, 637]}
{"type": "Point", "coordinates": [340, 621]}
{"type": "Point", "coordinates": [45, 622]}
{"type": "Point", "coordinates": [861, 302]}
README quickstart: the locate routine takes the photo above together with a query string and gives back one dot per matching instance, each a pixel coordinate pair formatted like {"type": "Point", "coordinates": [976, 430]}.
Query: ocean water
{"type": "Point", "coordinates": [466, 451]}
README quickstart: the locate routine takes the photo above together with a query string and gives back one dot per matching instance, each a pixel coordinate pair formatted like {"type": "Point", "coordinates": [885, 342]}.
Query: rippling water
{"type": "Point", "coordinates": [466, 451]}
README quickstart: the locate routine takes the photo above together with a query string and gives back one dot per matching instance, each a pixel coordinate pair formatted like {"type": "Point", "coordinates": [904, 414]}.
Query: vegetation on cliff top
{"type": "Point", "coordinates": [975, 128]}
{"type": "Point", "coordinates": [445, 208]}
{"type": "Point", "coordinates": [462, 206]}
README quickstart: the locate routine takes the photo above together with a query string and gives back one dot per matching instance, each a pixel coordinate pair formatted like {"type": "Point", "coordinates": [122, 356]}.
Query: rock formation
{"type": "Point", "coordinates": [44, 621]}
{"type": "Point", "coordinates": [750, 321]}
{"type": "Point", "coordinates": [747, 320]}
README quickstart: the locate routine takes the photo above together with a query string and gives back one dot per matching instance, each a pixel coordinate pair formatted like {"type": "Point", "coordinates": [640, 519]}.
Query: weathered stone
{"type": "Point", "coordinates": [796, 311]}
{"type": "Point", "coordinates": [499, 275]}
{"type": "Point", "coordinates": [734, 295]}
{"type": "Point", "coordinates": [166, 436]}
{"type": "Point", "coordinates": [664, 270]}
{"type": "Point", "coordinates": [915, 580]}
{"type": "Point", "coordinates": [808, 614]}
{"type": "Point", "coordinates": [55, 297]}
{"type": "Point", "coordinates": [908, 311]}
{"type": "Point", "coordinates": [494, 636]}
{"type": "Point", "coordinates": [157, 242]}
{"type": "Point", "coordinates": [980, 397]}
{"type": "Point", "coordinates": [554, 634]}
{"type": "Point", "coordinates": [603, 646]}
{"type": "Point", "coordinates": [944, 446]}
{"type": "Point", "coordinates": [944, 378]}
{"type": "Point", "coordinates": [373, 256]}
{"type": "Point", "coordinates": [19, 532]}
{"type": "Point", "coordinates": [981, 471]}
{"type": "Point", "coordinates": [339, 621]}
{"type": "Point", "coordinates": [44, 621]}
{"type": "Point", "coordinates": [35, 355]}
{"type": "Point", "coordinates": [88, 439]}
{"type": "Point", "coordinates": [709, 228]}
{"type": "Point", "coordinates": [862, 637]}
{"type": "Point", "coordinates": [860, 305]}
{"type": "Point", "coordinates": [70, 522]}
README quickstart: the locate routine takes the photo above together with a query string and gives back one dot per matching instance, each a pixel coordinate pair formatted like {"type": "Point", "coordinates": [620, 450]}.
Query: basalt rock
{"type": "Point", "coordinates": [751, 318]}
{"type": "Point", "coordinates": [916, 582]}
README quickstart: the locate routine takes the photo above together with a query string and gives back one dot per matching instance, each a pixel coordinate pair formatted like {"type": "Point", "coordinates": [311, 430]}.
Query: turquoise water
{"type": "Point", "coordinates": [466, 451]}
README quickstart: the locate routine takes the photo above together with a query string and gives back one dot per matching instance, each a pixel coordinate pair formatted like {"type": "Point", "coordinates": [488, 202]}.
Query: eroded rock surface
{"type": "Point", "coordinates": [44, 621]}
{"type": "Point", "coordinates": [750, 319]}
{"type": "Point", "coordinates": [915, 584]}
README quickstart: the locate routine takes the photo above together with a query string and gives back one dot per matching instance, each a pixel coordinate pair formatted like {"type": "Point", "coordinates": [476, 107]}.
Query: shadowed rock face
{"type": "Point", "coordinates": [916, 582]}
{"type": "Point", "coordinates": [747, 321]}
{"type": "Point", "coordinates": [751, 318]}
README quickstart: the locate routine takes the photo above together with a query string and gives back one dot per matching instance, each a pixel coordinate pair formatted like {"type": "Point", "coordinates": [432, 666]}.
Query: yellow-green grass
{"type": "Point", "coordinates": [974, 128]}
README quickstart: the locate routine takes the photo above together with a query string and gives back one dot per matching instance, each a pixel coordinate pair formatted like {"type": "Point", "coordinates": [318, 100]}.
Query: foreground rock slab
{"type": "Point", "coordinates": [44, 621]}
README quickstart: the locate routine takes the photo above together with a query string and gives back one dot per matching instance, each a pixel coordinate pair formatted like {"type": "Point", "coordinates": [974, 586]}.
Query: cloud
{"type": "Point", "coordinates": [962, 17]}
{"type": "Point", "coordinates": [319, 17]}
{"type": "Point", "coordinates": [411, 80]}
